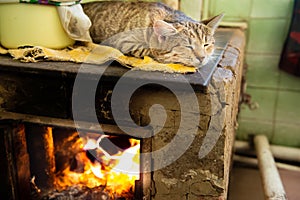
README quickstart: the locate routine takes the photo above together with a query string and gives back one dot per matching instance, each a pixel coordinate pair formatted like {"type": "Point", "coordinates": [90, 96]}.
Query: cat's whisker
{"type": "Point", "coordinates": [214, 58]}
{"type": "Point", "coordinates": [216, 55]}
{"type": "Point", "coordinates": [220, 34]}
{"type": "Point", "coordinates": [220, 48]}
{"type": "Point", "coordinates": [220, 37]}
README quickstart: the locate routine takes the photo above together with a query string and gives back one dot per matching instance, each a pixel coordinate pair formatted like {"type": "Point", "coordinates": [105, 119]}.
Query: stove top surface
{"type": "Point", "coordinates": [197, 80]}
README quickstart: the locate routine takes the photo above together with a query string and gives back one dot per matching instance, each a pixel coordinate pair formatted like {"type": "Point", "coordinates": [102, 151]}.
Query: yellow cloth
{"type": "Point", "coordinates": [94, 54]}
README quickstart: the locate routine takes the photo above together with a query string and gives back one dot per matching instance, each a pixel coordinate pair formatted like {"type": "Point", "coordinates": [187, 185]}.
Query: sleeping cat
{"type": "Point", "coordinates": [152, 29]}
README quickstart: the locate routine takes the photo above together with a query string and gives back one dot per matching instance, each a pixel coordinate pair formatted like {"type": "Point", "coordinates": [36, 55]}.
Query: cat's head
{"type": "Point", "coordinates": [188, 43]}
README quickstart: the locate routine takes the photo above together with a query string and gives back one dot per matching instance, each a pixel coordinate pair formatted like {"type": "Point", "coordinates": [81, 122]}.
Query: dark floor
{"type": "Point", "coordinates": [245, 184]}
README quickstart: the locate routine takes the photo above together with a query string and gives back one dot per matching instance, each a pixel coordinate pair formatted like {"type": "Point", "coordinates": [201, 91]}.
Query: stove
{"type": "Point", "coordinates": [180, 126]}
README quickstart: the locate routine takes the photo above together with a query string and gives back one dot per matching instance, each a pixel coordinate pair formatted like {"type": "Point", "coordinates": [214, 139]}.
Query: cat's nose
{"type": "Point", "coordinates": [200, 55]}
{"type": "Point", "coordinates": [201, 59]}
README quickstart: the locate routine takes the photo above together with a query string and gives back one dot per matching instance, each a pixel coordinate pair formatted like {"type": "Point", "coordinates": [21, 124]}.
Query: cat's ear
{"type": "Point", "coordinates": [213, 22]}
{"type": "Point", "coordinates": [163, 29]}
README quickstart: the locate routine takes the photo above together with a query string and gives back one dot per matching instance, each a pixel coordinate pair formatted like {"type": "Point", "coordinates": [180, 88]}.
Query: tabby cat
{"type": "Point", "coordinates": [152, 29]}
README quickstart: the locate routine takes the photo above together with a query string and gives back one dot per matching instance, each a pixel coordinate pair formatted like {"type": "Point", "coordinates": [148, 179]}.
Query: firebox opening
{"type": "Point", "coordinates": [82, 165]}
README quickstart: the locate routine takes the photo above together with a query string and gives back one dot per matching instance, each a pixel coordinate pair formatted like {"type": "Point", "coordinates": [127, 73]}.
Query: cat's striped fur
{"type": "Point", "coordinates": [152, 29]}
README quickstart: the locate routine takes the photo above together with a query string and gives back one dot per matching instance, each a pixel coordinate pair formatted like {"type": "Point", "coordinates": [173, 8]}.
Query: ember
{"type": "Point", "coordinates": [100, 163]}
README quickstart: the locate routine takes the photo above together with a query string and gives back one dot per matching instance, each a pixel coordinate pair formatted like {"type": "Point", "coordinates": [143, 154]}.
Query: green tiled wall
{"type": "Point", "coordinates": [276, 93]}
{"type": "Point", "coordinates": [263, 70]}
{"type": "Point", "coordinates": [265, 101]}
{"type": "Point", "coordinates": [266, 35]}
{"type": "Point", "coordinates": [288, 82]}
{"type": "Point", "coordinates": [286, 134]}
{"type": "Point", "coordinates": [235, 10]}
{"type": "Point", "coordinates": [254, 126]}
{"type": "Point", "coordinates": [271, 8]}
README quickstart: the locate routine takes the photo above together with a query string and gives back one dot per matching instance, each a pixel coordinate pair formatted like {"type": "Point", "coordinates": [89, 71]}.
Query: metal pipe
{"type": "Point", "coordinates": [273, 188]}
{"type": "Point", "coordinates": [279, 152]}
{"type": "Point", "coordinates": [253, 162]}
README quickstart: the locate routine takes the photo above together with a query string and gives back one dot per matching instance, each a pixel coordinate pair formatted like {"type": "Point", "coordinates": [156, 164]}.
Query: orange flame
{"type": "Point", "coordinates": [116, 172]}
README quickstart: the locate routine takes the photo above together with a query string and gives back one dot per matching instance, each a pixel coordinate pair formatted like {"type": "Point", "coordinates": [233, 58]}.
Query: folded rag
{"type": "Point", "coordinates": [93, 54]}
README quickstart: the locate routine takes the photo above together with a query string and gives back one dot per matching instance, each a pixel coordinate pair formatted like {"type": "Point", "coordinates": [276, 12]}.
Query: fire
{"type": "Point", "coordinates": [117, 170]}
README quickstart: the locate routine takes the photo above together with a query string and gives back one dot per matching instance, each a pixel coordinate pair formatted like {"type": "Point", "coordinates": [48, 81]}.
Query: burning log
{"type": "Point", "coordinates": [42, 161]}
{"type": "Point", "coordinates": [83, 193]}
